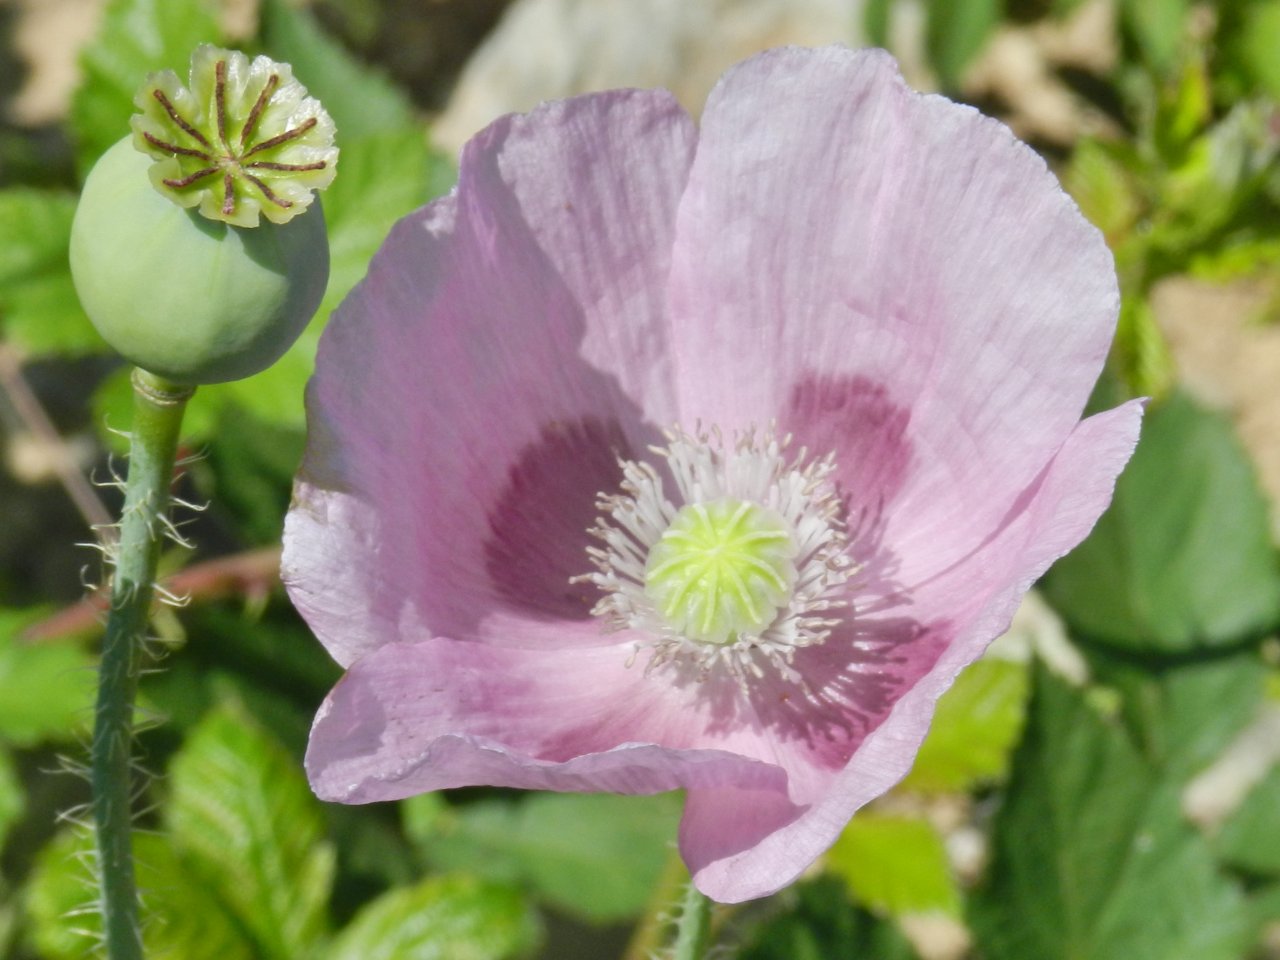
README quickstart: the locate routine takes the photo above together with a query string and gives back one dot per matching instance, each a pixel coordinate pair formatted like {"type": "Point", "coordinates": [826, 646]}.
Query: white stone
{"type": "Point", "coordinates": [549, 49]}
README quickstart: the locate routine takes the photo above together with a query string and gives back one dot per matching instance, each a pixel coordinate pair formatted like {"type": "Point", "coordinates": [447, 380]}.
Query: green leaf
{"type": "Point", "coordinates": [875, 21]}
{"type": "Point", "coordinates": [565, 847]}
{"type": "Point", "coordinates": [1239, 256]}
{"type": "Point", "coordinates": [39, 309]}
{"type": "Point", "coordinates": [46, 689]}
{"type": "Point", "coordinates": [137, 37]}
{"type": "Point", "coordinates": [956, 32]}
{"type": "Point", "coordinates": [444, 918]}
{"type": "Point", "coordinates": [1215, 183]}
{"type": "Point", "coordinates": [819, 923]}
{"type": "Point", "coordinates": [1181, 560]}
{"type": "Point", "coordinates": [252, 464]}
{"type": "Point", "coordinates": [425, 816]}
{"type": "Point", "coordinates": [59, 898]}
{"type": "Point", "coordinates": [12, 799]}
{"type": "Point", "coordinates": [1259, 41]}
{"type": "Point", "coordinates": [1157, 26]}
{"type": "Point", "coordinates": [1141, 353]}
{"type": "Point", "coordinates": [1250, 839]}
{"type": "Point", "coordinates": [182, 920]}
{"type": "Point", "coordinates": [974, 730]}
{"type": "Point", "coordinates": [895, 865]}
{"type": "Point", "coordinates": [1092, 857]}
{"type": "Point", "coordinates": [1264, 905]}
{"type": "Point", "coordinates": [8, 920]}
{"type": "Point", "coordinates": [242, 815]}
{"type": "Point", "coordinates": [1183, 715]}
{"type": "Point", "coordinates": [380, 178]}
{"type": "Point", "coordinates": [361, 100]}
{"type": "Point", "coordinates": [1101, 178]}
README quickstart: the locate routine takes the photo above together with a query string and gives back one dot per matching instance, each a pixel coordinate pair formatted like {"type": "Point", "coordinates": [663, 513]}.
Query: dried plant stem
{"type": "Point", "coordinates": [693, 929]}
{"type": "Point", "coordinates": [157, 418]}
{"type": "Point", "coordinates": [33, 415]}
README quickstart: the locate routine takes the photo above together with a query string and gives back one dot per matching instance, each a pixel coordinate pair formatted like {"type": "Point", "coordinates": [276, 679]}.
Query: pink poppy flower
{"type": "Point", "coordinates": [659, 457]}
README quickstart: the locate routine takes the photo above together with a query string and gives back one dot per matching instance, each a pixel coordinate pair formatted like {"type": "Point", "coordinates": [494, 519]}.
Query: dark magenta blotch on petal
{"type": "Point", "coordinates": [538, 537]}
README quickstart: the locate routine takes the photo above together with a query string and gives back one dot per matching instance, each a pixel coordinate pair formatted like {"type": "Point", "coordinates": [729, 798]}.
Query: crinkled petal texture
{"type": "Point", "coordinates": [890, 277]}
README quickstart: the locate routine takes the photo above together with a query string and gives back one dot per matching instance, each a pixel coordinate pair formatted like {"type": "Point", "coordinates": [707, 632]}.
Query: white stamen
{"type": "Point", "coordinates": [754, 469]}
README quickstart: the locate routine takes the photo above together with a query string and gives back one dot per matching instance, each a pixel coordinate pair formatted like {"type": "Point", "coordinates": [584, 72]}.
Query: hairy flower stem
{"type": "Point", "coordinates": [157, 417]}
{"type": "Point", "coordinates": [693, 930]}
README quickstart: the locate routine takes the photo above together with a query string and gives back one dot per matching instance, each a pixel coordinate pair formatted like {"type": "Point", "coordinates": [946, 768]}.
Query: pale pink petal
{"type": "Point", "coordinates": [412, 717]}
{"type": "Point", "coordinates": [773, 776]}
{"type": "Point", "coordinates": [735, 852]}
{"type": "Point", "coordinates": [890, 278]}
{"type": "Point", "coordinates": [471, 395]}
{"type": "Point", "coordinates": [844, 241]}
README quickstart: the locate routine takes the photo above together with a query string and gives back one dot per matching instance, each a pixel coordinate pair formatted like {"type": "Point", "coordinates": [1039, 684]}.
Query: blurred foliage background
{"type": "Point", "coordinates": [1105, 784]}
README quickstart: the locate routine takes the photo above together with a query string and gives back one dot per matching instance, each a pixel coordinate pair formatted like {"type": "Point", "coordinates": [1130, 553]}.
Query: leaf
{"type": "Point", "coordinates": [1092, 857]}
{"type": "Point", "coordinates": [1181, 560]}
{"type": "Point", "coordinates": [895, 865]}
{"type": "Point", "coordinates": [1101, 178]}
{"type": "Point", "coordinates": [182, 920]}
{"type": "Point", "coordinates": [1264, 905]}
{"type": "Point", "coordinates": [46, 689]}
{"type": "Point", "coordinates": [565, 847]}
{"type": "Point", "coordinates": [1141, 353]}
{"type": "Point", "coordinates": [876, 16]}
{"type": "Point", "coordinates": [819, 923]}
{"type": "Point", "coordinates": [39, 309]}
{"type": "Point", "coordinates": [1237, 257]}
{"type": "Point", "coordinates": [380, 179]}
{"type": "Point", "coordinates": [137, 37]}
{"type": "Point", "coordinates": [956, 32]}
{"type": "Point", "coordinates": [444, 918]}
{"type": "Point", "coordinates": [241, 814]}
{"type": "Point", "coordinates": [1157, 26]}
{"type": "Point", "coordinates": [1183, 715]}
{"type": "Point", "coordinates": [8, 920]}
{"type": "Point", "coordinates": [974, 730]}
{"type": "Point", "coordinates": [252, 464]}
{"type": "Point", "coordinates": [12, 799]}
{"type": "Point", "coordinates": [1250, 839]}
{"type": "Point", "coordinates": [1259, 41]}
{"type": "Point", "coordinates": [361, 100]}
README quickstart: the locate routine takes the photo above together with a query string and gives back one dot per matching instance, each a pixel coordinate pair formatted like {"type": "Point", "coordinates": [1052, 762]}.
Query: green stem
{"type": "Point", "coordinates": [157, 417]}
{"type": "Point", "coordinates": [653, 929]}
{"type": "Point", "coordinates": [693, 931]}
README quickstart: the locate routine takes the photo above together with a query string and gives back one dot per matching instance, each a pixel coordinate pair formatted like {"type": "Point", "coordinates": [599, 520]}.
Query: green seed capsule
{"type": "Point", "coordinates": [192, 300]}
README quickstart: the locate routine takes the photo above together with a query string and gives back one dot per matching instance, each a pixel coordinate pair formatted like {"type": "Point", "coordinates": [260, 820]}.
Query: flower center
{"type": "Point", "coordinates": [739, 566]}
{"type": "Point", "coordinates": [721, 570]}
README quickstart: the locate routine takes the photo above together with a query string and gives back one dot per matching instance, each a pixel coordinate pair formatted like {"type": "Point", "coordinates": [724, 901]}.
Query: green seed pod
{"type": "Point", "coordinates": [197, 249]}
{"type": "Point", "coordinates": [190, 299]}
